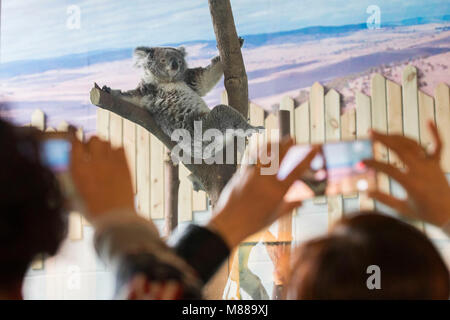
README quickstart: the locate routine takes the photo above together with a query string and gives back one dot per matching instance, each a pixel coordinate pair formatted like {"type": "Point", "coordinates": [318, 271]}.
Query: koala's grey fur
{"type": "Point", "coordinates": [172, 92]}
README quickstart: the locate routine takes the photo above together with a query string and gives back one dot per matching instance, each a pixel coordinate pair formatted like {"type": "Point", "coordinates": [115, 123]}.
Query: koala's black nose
{"type": "Point", "coordinates": [174, 65]}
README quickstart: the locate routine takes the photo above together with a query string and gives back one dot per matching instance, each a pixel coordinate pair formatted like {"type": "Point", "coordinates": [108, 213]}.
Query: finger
{"type": "Point", "coordinates": [290, 206]}
{"type": "Point", "coordinates": [274, 150]}
{"type": "Point", "coordinates": [399, 205]}
{"type": "Point", "coordinates": [268, 237]}
{"type": "Point", "coordinates": [287, 207]}
{"type": "Point", "coordinates": [119, 154]}
{"type": "Point", "coordinates": [72, 131]}
{"type": "Point", "coordinates": [97, 147]}
{"type": "Point", "coordinates": [304, 165]}
{"type": "Point", "coordinates": [406, 148]}
{"type": "Point", "coordinates": [77, 153]}
{"type": "Point", "coordinates": [436, 154]}
{"type": "Point", "coordinates": [389, 169]}
{"type": "Point", "coordinates": [285, 144]}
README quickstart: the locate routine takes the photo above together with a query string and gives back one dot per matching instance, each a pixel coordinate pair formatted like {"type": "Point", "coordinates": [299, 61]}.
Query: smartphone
{"type": "Point", "coordinates": [337, 169]}
{"type": "Point", "coordinates": [55, 151]}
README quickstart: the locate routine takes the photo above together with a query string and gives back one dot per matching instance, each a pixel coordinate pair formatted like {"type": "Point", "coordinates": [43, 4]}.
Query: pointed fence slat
{"type": "Point", "coordinates": [271, 128]}
{"type": "Point", "coordinates": [103, 117]}
{"type": "Point", "coordinates": [287, 103]}
{"type": "Point", "coordinates": [332, 116]}
{"type": "Point", "coordinates": [426, 114]}
{"type": "Point", "coordinates": [224, 97]}
{"type": "Point", "coordinates": [302, 127]}
{"type": "Point", "coordinates": [256, 114]}
{"type": "Point", "coordinates": [199, 200]}
{"type": "Point", "coordinates": [410, 103]}
{"type": "Point", "coordinates": [363, 125]}
{"type": "Point", "coordinates": [394, 115]}
{"type": "Point", "coordinates": [333, 133]}
{"type": "Point", "coordinates": [63, 126]}
{"type": "Point", "coordinates": [129, 144]}
{"type": "Point", "coordinates": [156, 178]}
{"type": "Point", "coordinates": [411, 111]}
{"type": "Point", "coordinates": [348, 132]}
{"type": "Point", "coordinates": [317, 121]}
{"type": "Point", "coordinates": [442, 100]}
{"type": "Point", "coordinates": [317, 116]}
{"type": "Point", "coordinates": [75, 231]}
{"type": "Point", "coordinates": [80, 136]}
{"type": "Point", "coordinates": [75, 226]}
{"type": "Point", "coordinates": [379, 123]}
{"type": "Point", "coordinates": [115, 130]}
{"type": "Point", "coordinates": [38, 120]}
{"type": "Point", "coordinates": [143, 172]}
{"type": "Point", "coordinates": [184, 195]}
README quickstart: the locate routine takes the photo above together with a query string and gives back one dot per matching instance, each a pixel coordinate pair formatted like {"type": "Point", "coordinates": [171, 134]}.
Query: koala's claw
{"type": "Point", "coordinates": [241, 41]}
{"type": "Point", "coordinates": [215, 59]}
{"type": "Point", "coordinates": [106, 89]}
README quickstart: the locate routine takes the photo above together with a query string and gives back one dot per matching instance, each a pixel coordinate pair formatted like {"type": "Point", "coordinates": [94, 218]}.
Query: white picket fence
{"type": "Point", "coordinates": [392, 108]}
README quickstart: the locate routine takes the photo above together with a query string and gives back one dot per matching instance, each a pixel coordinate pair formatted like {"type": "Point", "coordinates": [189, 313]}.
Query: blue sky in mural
{"type": "Point", "coordinates": [36, 29]}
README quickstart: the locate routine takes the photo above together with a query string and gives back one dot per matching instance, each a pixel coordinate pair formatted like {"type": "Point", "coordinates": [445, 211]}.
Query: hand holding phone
{"type": "Point", "coordinates": [338, 169]}
{"type": "Point", "coordinates": [55, 148]}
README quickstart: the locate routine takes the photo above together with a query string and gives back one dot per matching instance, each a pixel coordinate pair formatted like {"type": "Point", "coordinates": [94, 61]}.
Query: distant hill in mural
{"type": "Point", "coordinates": [23, 67]}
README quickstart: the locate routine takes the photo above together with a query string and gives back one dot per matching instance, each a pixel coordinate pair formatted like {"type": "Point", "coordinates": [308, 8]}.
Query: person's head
{"type": "Point", "coordinates": [32, 215]}
{"type": "Point", "coordinates": [338, 265]}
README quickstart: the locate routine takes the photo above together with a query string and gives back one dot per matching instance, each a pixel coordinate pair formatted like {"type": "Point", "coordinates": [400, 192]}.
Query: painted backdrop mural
{"type": "Point", "coordinates": [53, 51]}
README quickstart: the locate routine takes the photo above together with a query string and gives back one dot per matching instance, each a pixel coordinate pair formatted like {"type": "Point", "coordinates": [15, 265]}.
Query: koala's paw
{"type": "Point", "coordinates": [106, 89]}
{"type": "Point", "coordinates": [241, 41]}
{"type": "Point", "coordinates": [215, 60]}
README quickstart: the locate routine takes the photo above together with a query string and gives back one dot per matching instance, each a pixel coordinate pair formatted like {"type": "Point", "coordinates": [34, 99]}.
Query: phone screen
{"type": "Point", "coordinates": [55, 153]}
{"type": "Point", "coordinates": [338, 169]}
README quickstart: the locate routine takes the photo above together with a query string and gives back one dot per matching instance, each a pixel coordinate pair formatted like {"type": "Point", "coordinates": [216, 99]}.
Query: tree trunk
{"type": "Point", "coordinates": [229, 47]}
{"type": "Point", "coordinates": [212, 177]}
{"type": "Point", "coordinates": [171, 184]}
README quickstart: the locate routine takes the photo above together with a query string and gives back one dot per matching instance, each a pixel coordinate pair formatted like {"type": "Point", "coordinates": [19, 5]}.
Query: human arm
{"type": "Point", "coordinates": [422, 178]}
{"type": "Point", "coordinates": [145, 267]}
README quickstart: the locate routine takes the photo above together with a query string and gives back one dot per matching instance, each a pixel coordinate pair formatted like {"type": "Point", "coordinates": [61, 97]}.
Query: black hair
{"type": "Point", "coordinates": [33, 219]}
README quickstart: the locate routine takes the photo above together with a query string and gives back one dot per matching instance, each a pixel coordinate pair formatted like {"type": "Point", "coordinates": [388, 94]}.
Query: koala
{"type": "Point", "coordinates": [173, 93]}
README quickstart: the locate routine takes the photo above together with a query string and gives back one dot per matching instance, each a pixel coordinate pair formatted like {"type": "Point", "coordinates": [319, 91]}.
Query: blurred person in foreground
{"type": "Point", "coordinates": [339, 264]}
{"type": "Point", "coordinates": [33, 219]}
{"type": "Point", "coordinates": [147, 267]}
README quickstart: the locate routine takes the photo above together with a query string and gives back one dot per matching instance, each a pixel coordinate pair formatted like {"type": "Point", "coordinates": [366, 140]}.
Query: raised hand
{"type": "Point", "coordinates": [101, 176]}
{"type": "Point", "coordinates": [423, 179]}
{"type": "Point", "coordinates": [253, 200]}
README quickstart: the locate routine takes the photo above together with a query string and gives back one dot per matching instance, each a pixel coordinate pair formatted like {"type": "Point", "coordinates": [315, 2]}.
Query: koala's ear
{"type": "Point", "coordinates": [141, 54]}
{"type": "Point", "coordinates": [144, 52]}
{"type": "Point", "coordinates": [182, 50]}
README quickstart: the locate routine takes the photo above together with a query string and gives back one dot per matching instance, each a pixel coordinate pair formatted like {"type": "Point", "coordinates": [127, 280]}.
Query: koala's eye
{"type": "Point", "coordinates": [163, 60]}
{"type": "Point", "coordinates": [179, 61]}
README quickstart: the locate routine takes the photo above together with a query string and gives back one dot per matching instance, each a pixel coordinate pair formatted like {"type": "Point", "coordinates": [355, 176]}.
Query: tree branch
{"type": "Point", "coordinates": [229, 47]}
{"type": "Point", "coordinates": [130, 112]}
